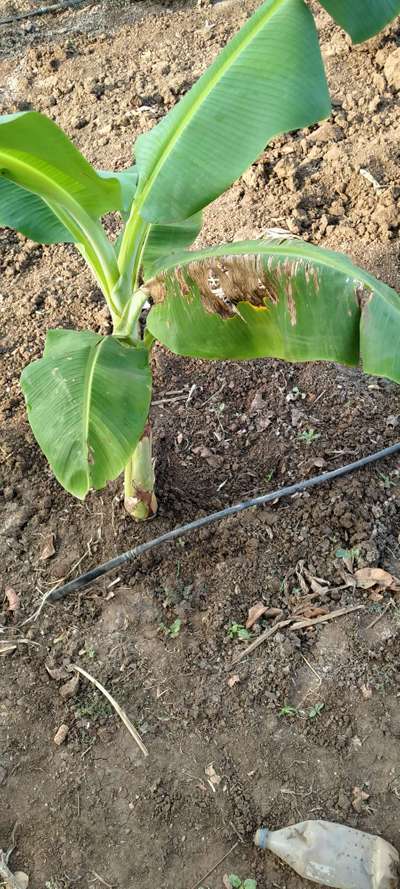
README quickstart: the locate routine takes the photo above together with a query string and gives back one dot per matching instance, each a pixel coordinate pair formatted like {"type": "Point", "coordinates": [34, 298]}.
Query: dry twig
{"type": "Point", "coordinates": [380, 616]}
{"type": "Point", "coordinates": [221, 861]}
{"type": "Point", "coordinates": [298, 625]}
{"type": "Point", "coordinates": [121, 713]}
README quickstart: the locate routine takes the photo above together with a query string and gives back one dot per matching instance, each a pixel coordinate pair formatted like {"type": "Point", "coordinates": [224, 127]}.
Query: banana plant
{"type": "Point", "coordinates": [88, 398]}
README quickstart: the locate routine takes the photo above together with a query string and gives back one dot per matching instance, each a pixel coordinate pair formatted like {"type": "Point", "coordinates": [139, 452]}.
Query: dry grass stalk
{"type": "Point", "coordinates": [121, 713]}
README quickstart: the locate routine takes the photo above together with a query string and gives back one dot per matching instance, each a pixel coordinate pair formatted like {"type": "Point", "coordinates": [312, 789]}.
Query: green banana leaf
{"type": "Point", "coordinates": [37, 155]}
{"type": "Point", "coordinates": [362, 18]}
{"type": "Point", "coordinates": [163, 240]}
{"type": "Point", "coordinates": [278, 298]}
{"type": "Point", "coordinates": [28, 214]}
{"type": "Point", "coordinates": [87, 400]}
{"type": "Point", "coordinates": [269, 79]}
{"type": "Point", "coordinates": [128, 180]}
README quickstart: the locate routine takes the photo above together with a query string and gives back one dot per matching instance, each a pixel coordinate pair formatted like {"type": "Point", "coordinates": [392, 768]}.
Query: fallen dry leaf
{"type": "Point", "coordinates": [7, 648]}
{"type": "Point", "coordinates": [48, 548]}
{"type": "Point", "coordinates": [57, 673]}
{"type": "Point", "coordinates": [12, 598]}
{"type": "Point", "coordinates": [300, 577]}
{"type": "Point", "coordinates": [226, 882]}
{"type": "Point", "coordinates": [255, 612]}
{"type": "Point", "coordinates": [70, 688]}
{"type": "Point", "coordinates": [233, 680]}
{"type": "Point", "coordinates": [369, 577]}
{"type": "Point", "coordinates": [309, 581]}
{"type": "Point", "coordinates": [366, 692]}
{"type": "Point", "coordinates": [61, 734]}
{"type": "Point", "coordinates": [317, 584]}
{"type": "Point", "coordinates": [212, 776]}
{"type": "Point", "coordinates": [310, 611]}
{"type": "Point", "coordinates": [360, 797]}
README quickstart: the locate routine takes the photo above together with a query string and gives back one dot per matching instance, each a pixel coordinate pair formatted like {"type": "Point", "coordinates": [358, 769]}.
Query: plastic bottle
{"type": "Point", "coordinates": [334, 855]}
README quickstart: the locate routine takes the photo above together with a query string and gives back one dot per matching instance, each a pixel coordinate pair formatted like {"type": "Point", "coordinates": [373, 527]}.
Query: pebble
{"type": "Point", "coordinates": [327, 132]}
{"type": "Point", "coordinates": [392, 69]}
{"type": "Point", "coordinates": [61, 734]}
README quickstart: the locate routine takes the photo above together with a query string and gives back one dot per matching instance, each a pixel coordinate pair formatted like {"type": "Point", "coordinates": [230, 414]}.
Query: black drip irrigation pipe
{"type": "Point", "coordinates": [289, 490]}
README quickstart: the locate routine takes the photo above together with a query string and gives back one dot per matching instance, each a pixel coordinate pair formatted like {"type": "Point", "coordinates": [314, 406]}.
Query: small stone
{"type": "Point", "coordinates": [9, 492]}
{"type": "Point", "coordinates": [379, 82]}
{"type": "Point", "coordinates": [251, 177]}
{"type": "Point", "coordinates": [80, 123]}
{"type": "Point", "coordinates": [333, 154]}
{"type": "Point", "coordinates": [392, 69]}
{"type": "Point", "coordinates": [61, 734]}
{"type": "Point", "coordinates": [374, 103]}
{"type": "Point", "coordinates": [285, 169]}
{"type": "Point", "coordinates": [327, 132]}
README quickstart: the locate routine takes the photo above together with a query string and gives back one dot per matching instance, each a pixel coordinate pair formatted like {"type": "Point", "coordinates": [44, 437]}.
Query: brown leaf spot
{"type": "Point", "coordinates": [223, 282]}
{"type": "Point", "coordinates": [291, 303]}
{"type": "Point", "coordinates": [363, 295]}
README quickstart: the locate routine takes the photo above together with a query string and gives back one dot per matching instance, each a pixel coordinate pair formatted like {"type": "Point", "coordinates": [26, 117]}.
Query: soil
{"type": "Point", "coordinates": [93, 811]}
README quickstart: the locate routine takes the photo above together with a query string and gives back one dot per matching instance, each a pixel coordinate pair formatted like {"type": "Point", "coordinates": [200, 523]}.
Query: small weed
{"type": "Point", "coordinates": [311, 713]}
{"type": "Point", "coordinates": [295, 394]}
{"type": "Point", "coordinates": [173, 630]}
{"type": "Point", "coordinates": [375, 608]}
{"type": "Point", "coordinates": [238, 631]}
{"type": "Point", "coordinates": [269, 476]}
{"type": "Point", "coordinates": [288, 711]}
{"type": "Point", "coordinates": [309, 436]}
{"type": "Point", "coordinates": [389, 481]}
{"type": "Point", "coordinates": [88, 651]}
{"type": "Point", "coordinates": [237, 883]}
{"type": "Point", "coordinates": [315, 710]}
{"type": "Point", "coordinates": [180, 592]}
{"type": "Point", "coordinates": [95, 708]}
{"type": "Point", "coordinates": [352, 553]}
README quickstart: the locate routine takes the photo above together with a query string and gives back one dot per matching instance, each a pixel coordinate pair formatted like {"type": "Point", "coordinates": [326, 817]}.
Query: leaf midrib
{"type": "Point", "coordinates": [208, 87]}
{"type": "Point", "coordinates": [94, 354]}
{"type": "Point", "coordinates": [49, 185]}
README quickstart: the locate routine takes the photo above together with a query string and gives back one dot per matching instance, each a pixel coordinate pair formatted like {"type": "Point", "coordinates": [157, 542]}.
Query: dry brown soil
{"type": "Point", "coordinates": [93, 811]}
